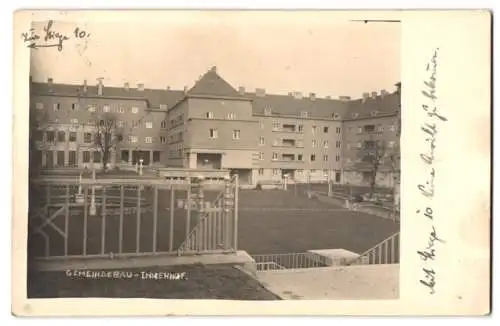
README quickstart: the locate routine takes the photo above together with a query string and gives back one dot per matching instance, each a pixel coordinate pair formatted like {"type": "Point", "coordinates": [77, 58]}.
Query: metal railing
{"type": "Point", "coordinates": [217, 228]}
{"type": "Point", "coordinates": [289, 261]}
{"type": "Point", "coordinates": [386, 252]}
{"type": "Point", "coordinates": [123, 217]}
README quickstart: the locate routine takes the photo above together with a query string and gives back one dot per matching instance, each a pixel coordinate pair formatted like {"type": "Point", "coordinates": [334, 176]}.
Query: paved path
{"type": "Point", "coordinates": [362, 282]}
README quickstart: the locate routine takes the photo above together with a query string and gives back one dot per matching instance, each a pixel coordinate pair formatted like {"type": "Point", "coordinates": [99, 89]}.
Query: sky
{"type": "Point", "coordinates": [280, 52]}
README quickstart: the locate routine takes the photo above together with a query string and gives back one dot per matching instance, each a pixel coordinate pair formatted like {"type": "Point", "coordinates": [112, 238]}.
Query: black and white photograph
{"type": "Point", "coordinates": [250, 156]}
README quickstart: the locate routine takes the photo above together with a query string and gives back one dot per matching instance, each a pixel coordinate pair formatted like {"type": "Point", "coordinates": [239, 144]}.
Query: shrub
{"type": "Point", "coordinates": [258, 186]}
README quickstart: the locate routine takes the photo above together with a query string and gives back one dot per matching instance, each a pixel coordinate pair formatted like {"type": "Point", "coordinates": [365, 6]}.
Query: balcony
{"type": "Point", "coordinates": [289, 128]}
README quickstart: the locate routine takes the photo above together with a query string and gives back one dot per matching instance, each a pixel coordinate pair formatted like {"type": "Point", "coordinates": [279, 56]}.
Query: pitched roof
{"type": "Point", "coordinates": [156, 97]}
{"type": "Point", "coordinates": [211, 84]}
{"type": "Point", "coordinates": [289, 105]}
{"type": "Point", "coordinates": [382, 104]}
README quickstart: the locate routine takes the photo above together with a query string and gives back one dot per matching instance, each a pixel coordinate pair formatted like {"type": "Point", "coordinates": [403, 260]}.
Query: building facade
{"type": "Point", "coordinates": [261, 137]}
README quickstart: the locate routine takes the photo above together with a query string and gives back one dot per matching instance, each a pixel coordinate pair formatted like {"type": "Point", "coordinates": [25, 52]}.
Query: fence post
{"type": "Point", "coordinates": [171, 231]}
{"type": "Point", "coordinates": [155, 216]}
{"type": "Point", "coordinates": [235, 211]}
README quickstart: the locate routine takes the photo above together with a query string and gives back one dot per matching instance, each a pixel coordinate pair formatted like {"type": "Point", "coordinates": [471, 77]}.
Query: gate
{"type": "Point", "coordinates": [127, 218]}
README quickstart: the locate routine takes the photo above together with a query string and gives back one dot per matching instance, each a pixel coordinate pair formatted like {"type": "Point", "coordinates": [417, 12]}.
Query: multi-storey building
{"type": "Point", "coordinates": [260, 136]}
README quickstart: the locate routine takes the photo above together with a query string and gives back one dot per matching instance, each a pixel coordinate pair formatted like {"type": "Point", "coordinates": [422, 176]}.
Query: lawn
{"type": "Point", "coordinates": [295, 224]}
{"type": "Point", "coordinates": [202, 282]}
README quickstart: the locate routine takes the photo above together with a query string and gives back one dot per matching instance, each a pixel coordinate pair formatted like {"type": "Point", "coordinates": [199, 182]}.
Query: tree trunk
{"type": "Point", "coordinates": [105, 159]}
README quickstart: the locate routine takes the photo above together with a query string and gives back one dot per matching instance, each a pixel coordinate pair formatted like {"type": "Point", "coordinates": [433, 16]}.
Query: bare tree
{"type": "Point", "coordinates": [371, 156]}
{"type": "Point", "coordinates": [106, 135]}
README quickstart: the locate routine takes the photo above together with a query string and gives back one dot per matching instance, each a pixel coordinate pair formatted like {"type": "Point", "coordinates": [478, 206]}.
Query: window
{"type": "Point", "coordinates": [338, 130]}
{"type": "Point", "coordinates": [97, 157]}
{"type": "Point", "coordinates": [149, 125]}
{"type": "Point", "coordinates": [119, 124]}
{"type": "Point", "coordinates": [337, 158]}
{"type": "Point", "coordinates": [163, 124]}
{"type": "Point", "coordinates": [261, 156]}
{"type": "Point", "coordinates": [337, 144]}
{"type": "Point", "coordinates": [299, 157]}
{"type": "Point", "coordinates": [163, 139]}
{"type": "Point", "coordinates": [261, 123]}
{"type": "Point", "coordinates": [212, 133]}
{"type": "Point", "coordinates": [313, 157]}
{"type": "Point", "coordinates": [374, 113]}
{"type": "Point", "coordinates": [50, 136]}
{"type": "Point", "coordinates": [313, 171]}
{"type": "Point", "coordinates": [38, 135]}
{"type": "Point", "coordinates": [74, 106]}
{"type": "Point", "coordinates": [105, 108]}
{"type": "Point", "coordinates": [335, 116]}
{"type": "Point", "coordinates": [380, 128]}
{"type": "Point", "coordinates": [325, 157]}
{"type": "Point", "coordinates": [325, 143]}
{"type": "Point", "coordinates": [276, 171]}
{"type": "Point", "coordinates": [72, 158]}
{"type": "Point", "coordinates": [209, 115]}
{"type": "Point", "coordinates": [276, 125]}
{"type": "Point", "coordinates": [121, 109]}
{"type": "Point", "coordinates": [236, 134]}
{"type": "Point", "coordinates": [349, 146]}
{"type": "Point", "coordinates": [119, 138]}
{"type": "Point", "coordinates": [359, 145]}
{"type": "Point", "coordinates": [276, 142]}
{"type": "Point", "coordinates": [102, 122]}
{"type": "Point", "coordinates": [261, 171]}
{"type": "Point", "coordinates": [391, 144]}
{"type": "Point", "coordinates": [325, 130]}
{"type": "Point", "coordinates": [61, 136]}
{"type": "Point", "coordinates": [149, 140]}
{"type": "Point", "coordinates": [132, 139]}
{"type": "Point", "coordinates": [231, 116]}
{"type": "Point", "coordinates": [314, 144]}
{"type": "Point", "coordinates": [369, 128]}
{"type": "Point", "coordinates": [60, 158]}
{"type": "Point", "coordinates": [301, 128]}
{"type": "Point", "coordinates": [86, 157]}
{"type": "Point", "coordinates": [313, 129]}
{"type": "Point", "coordinates": [360, 130]}
{"type": "Point", "coordinates": [392, 127]}
{"type": "Point", "coordinates": [267, 111]}
{"type": "Point", "coordinates": [275, 156]}
{"type": "Point", "coordinates": [39, 106]}
{"type": "Point", "coordinates": [156, 156]}
{"type": "Point", "coordinates": [72, 136]}
{"type": "Point", "coordinates": [261, 140]}
{"type": "Point", "coordinates": [134, 110]}
{"type": "Point", "coordinates": [74, 121]}
{"type": "Point", "coordinates": [57, 106]}
{"type": "Point", "coordinates": [163, 106]}
{"type": "Point", "coordinates": [91, 108]}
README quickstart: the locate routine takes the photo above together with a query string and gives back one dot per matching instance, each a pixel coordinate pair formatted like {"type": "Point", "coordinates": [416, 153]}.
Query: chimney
{"type": "Point", "coordinates": [261, 92]}
{"type": "Point", "coordinates": [126, 87]}
{"type": "Point", "coordinates": [344, 98]}
{"type": "Point", "coordinates": [365, 96]}
{"type": "Point", "coordinates": [140, 87]}
{"type": "Point", "coordinates": [383, 93]}
{"type": "Point", "coordinates": [297, 95]}
{"type": "Point", "coordinates": [185, 89]}
{"type": "Point", "coordinates": [85, 87]}
{"type": "Point", "coordinates": [374, 95]}
{"type": "Point", "coordinates": [398, 87]}
{"type": "Point", "coordinates": [168, 88]}
{"type": "Point", "coordinates": [213, 69]}
{"type": "Point", "coordinates": [241, 90]}
{"type": "Point", "coordinates": [290, 93]}
{"type": "Point", "coordinates": [100, 86]}
{"type": "Point", "coordinates": [312, 96]}
{"type": "Point", "coordinates": [50, 81]}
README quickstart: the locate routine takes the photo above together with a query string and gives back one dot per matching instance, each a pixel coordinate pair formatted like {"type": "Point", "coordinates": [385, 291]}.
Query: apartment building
{"type": "Point", "coordinates": [371, 129]}
{"type": "Point", "coordinates": [259, 136]}
{"type": "Point", "coordinates": [64, 117]}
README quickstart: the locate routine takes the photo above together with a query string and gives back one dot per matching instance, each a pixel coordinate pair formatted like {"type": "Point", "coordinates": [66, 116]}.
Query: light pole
{"type": "Point", "coordinates": [140, 166]}
{"type": "Point", "coordinates": [93, 210]}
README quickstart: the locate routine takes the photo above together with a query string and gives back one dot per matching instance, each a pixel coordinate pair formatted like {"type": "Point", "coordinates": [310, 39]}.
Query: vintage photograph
{"type": "Point", "coordinates": [215, 157]}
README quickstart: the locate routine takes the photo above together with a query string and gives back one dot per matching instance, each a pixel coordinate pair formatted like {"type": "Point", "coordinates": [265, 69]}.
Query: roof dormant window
{"type": "Point", "coordinates": [304, 114]}
{"type": "Point", "coordinates": [134, 110]}
{"type": "Point", "coordinates": [209, 115]}
{"type": "Point", "coordinates": [336, 116]}
{"type": "Point", "coordinates": [91, 108]}
{"type": "Point", "coordinates": [149, 140]}
{"type": "Point", "coordinates": [39, 106]}
{"type": "Point", "coordinates": [236, 134]}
